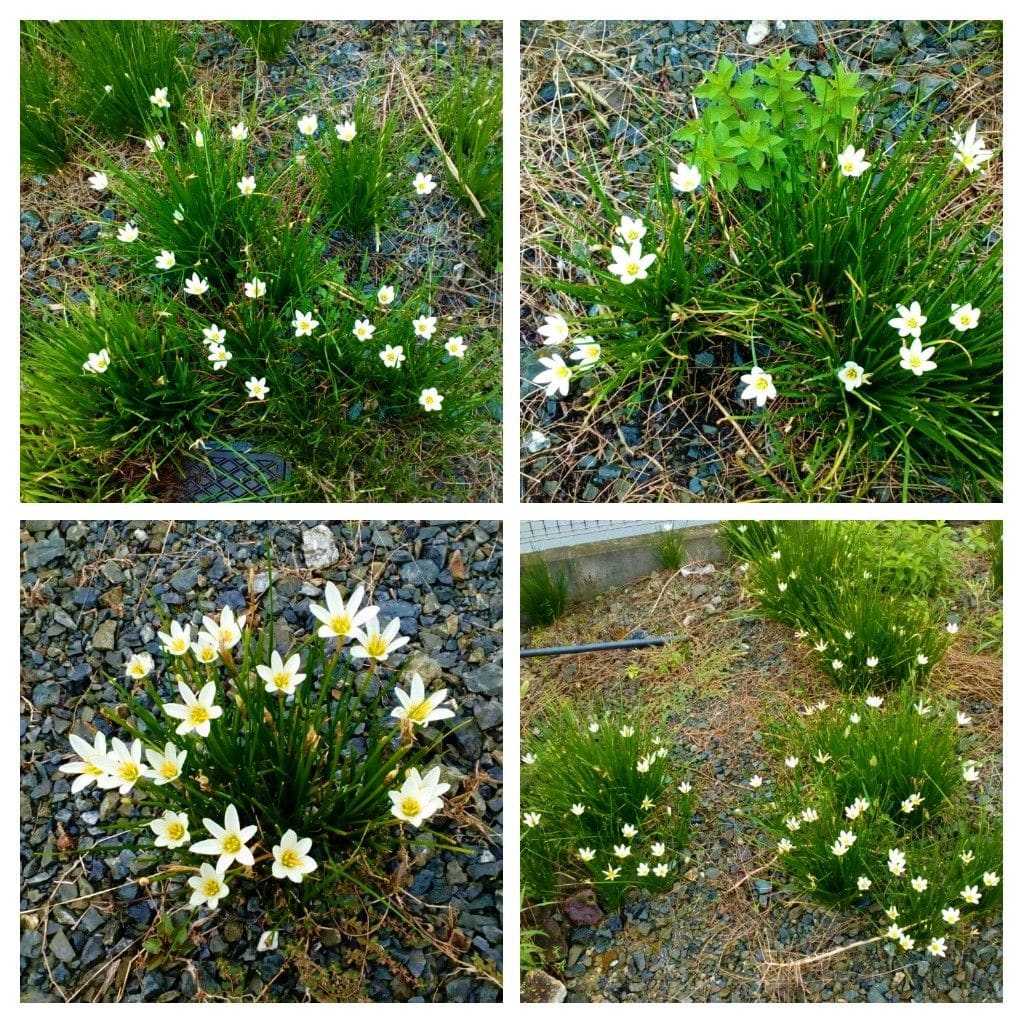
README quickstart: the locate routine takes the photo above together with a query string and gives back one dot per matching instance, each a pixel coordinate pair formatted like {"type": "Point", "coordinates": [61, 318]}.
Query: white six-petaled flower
{"type": "Point", "coordinates": [123, 767]}
{"type": "Point", "coordinates": [340, 618]}
{"type": "Point", "coordinates": [281, 676]}
{"type": "Point", "coordinates": [127, 233]}
{"type": "Point", "coordinates": [631, 231]}
{"type": "Point", "coordinates": [159, 98]}
{"type": "Point", "coordinates": [247, 185]}
{"type": "Point", "coordinates": [207, 887]}
{"type": "Point", "coordinates": [916, 359]}
{"type": "Point", "coordinates": [587, 352]}
{"type": "Point", "coordinates": [198, 710]}
{"type": "Point", "coordinates": [256, 388]}
{"type": "Point", "coordinates": [165, 261]}
{"type": "Point", "coordinates": [852, 163]}
{"type": "Point", "coordinates": [304, 323]}
{"type": "Point", "coordinates": [166, 764]}
{"type": "Point", "coordinates": [424, 184]}
{"type": "Point", "coordinates": [178, 641]}
{"type": "Point", "coordinates": [227, 842]}
{"type": "Point", "coordinates": [852, 375]}
{"type": "Point", "coordinates": [910, 321]}
{"type": "Point", "coordinates": [555, 377]}
{"type": "Point", "coordinates": [308, 124]}
{"type": "Point", "coordinates": [227, 630]}
{"type": "Point", "coordinates": [385, 294]}
{"type": "Point", "coordinates": [965, 317]}
{"type": "Point", "coordinates": [171, 830]}
{"type": "Point", "coordinates": [555, 330]}
{"type": "Point", "coordinates": [255, 289]}
{"type": "Point", "coordinates": [363, 330]}
{"type": "Point", "coordinates": [424, 326]}
{"type": "Point", "coordinates": [375, 643]}
{"type": "Point", "coordinates": [239, 132]}
{"type": "Point", "coordinates": [346, 131]}
{"type": "Point", "coordinates": [416, 708]}
{"type": "Point", "coordinates": [98, 181]}
{"type": "Point", "coordinates": [632, 265]}
{"type": "Point", "coordinates": [291, 857]}
{"type": "Point", "coordinates": [431, 399]}
{"type": "Point", "coordinates": [455, 347]}
{"type": "Point", "coordinates": [685, 178]}
{"type": "Point", "coordinates": [196, 286]}
{"type": "Point", "coordinates": [392, 356]}
{"type": "Point", "coordinates": [98, 362]}
{"type": "Point", "coordinates": [420, 797]}
{"type": "Point", "coordinates": [93, 764]}
{"type": "Point", "coordinates": [139, 666]}
{"type": "Point", "coordinates": [759, 386]}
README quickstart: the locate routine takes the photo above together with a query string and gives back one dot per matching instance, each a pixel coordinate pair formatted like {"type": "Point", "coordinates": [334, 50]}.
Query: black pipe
{"type": "Point", "coordinates": [604, 645]}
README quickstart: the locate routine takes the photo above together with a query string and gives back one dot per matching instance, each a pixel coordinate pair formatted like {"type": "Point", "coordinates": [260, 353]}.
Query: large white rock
{"type": "Point", "coordinates": [319, 548]}
{"type": "Point", "coordinates": [758, 32]}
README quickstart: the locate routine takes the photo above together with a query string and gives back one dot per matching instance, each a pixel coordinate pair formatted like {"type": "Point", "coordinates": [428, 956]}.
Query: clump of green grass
{"type": "Point", "coordinates": [670, 547]}
{"type": "Point", "coordinates": [45, 137]}
{"type": "Point", "coordinates": [604, 805]}
{"type": "Point", "coordinates": [267, 39]}
{"type": "Point", "coordinates": [543, 595]}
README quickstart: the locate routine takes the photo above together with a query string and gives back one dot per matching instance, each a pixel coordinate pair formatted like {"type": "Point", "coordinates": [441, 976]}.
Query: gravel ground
{"type": "Point", "coordinates": [717, 934]}
{"type": "Point", "coordinates": [85, 608]}
{"type": "Point", "coordinates": [674, 447]}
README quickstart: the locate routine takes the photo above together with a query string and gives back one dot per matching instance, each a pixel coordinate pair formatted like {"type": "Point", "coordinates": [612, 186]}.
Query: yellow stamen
{"type": "Point", "coordinates": [341, 624]}
{"type": "Point", "coordinates": [231, 844]}
{"type": "Point", "coordinates": [281, 680]}
{"type": "Point", "coordinates": [211, 887]}
{"type": "Point", "coordinates": [289, 859]}
{"type": "Point", "coordinates": [129, 772]}
{"type": "Point", "coordinates": [198, 714]}
{"type": "Point", "coordinates": [175, 831]}
{"type": "Point", "coordinates": [410, 806]}
{"type": "Point", "coordinates": [377, 647]}
{"type": "Point", "coordinates": [169, 769]}
{"type": "Point", "coordinates": [418, 712]}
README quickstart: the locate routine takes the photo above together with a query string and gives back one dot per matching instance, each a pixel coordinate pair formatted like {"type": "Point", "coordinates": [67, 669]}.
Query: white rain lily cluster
{"type": "Point", "coordinates": [126, 764]}
{"type": "Point", "coordinates": [586, 352]}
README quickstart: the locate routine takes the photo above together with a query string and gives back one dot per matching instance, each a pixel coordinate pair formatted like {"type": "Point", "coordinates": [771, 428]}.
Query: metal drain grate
{"type": "Point", "coordinates": [233, 471]}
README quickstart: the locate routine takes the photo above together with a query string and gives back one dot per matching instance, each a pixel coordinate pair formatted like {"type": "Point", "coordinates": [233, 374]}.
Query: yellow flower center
{"type": "Point", "coordinates": [289, 859]}
{"type": "Point", "coordinates": [418, 712]}
{"type": "Point", "coordinates": [232, 843]}
{"type": "Point", "coordinates": [848, 166]}
{"type": "Point", "coordinates": [211, 887]}
{"type": "Point", "coordinates": [411, 806]}
{"type": "Point", "coordinates": [911, 321]}
{"type": "Point", "coordinates": [761, 383]}
{"type": "Point", "coordinates": [178, 645]}
{"type": "Point", "coordinates": [377, 647]}
{"type": "Point", "coordinates": [964, 319]}
{"type": "Point", "coordinates": [169, 769]}
{"type": "Point", "coordinates": [175, 831]}
{"type": "Point", "coordinates": [198, 714]}
{"type": "Point", "coordinates": [562, 372]}
{"type": "Point", "coordinates": [226, 635]}
{"type": "Point", "coordinates": [914, 360]}
{"type": "Point", "coordinates": [92, 769]}
{"type": "Point", "coordinates": [632, 268]}
{"type": "Point", "coordinates": [282, 680]}
{"type": "Point", "coordinates": [341, 624]}
{"type": "Point", "coordinates": [129, 772]}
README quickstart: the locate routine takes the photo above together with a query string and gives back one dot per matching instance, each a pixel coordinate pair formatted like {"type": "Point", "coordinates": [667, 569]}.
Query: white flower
{"type": "Point", "coordinates": [952, 628]}
{"type": "Point", "coordinates": [661, 870]}
{"type": "Point", "coordinates": [756, 781]}
{"type": "Point", "coordinates": [642, 870]}
{"type": "Point", "coordinates": [291, 857]}
{"type": "Point", "coordinates": [281, 676]}
{"type": "Point", "coordinates": [784, 846]}
{"type": "Point", "coordinates": [897, 862]}
{"type": "Point", "coordinates": [155, 143]}
{"type": "Point", "coordinates": [385, 295]}
{"type": "Point", "coordinates": [308, 124]}
{"type": "Point", "coordinates": [970, 773]}
{"type": "Point", "coordinates": [836, 664]}
{"type": "Point", "coordinates": [227, 630]}
{"type": "Point", "coordinates": [123, 767]}
{"type": "Point", "coordinates": [98, 181]}
{"type": "Point", "coordinates": [921, 708]}
{"type": "Point", "coordinates": [917, 359]}
{"type": "Point", "coordinates": [128, 233]}
{"type": "Point", "coordinates": [98, 362]}
{"type": "Point", "coordinates": [970, 894]}
{"type": "Point", "coordinates": [199, 138]}
{"type": "Point", "coordinates": [555, 377]}
{"type": "Point", "coordinates": [630, 266]}
{"type": "Point", "coordinates": [937, 947]}
{"type": "Point", "coordinates": [847, 839]}
{"type": "Point", "coordinates": [643, 766]}
{"type": "Point", "coordinates": [854, 718]}
{"type": "Point", "coordinates": [267, 942]}
{"type": "Point", "coordinates": [171, 830]}
{"type": "Point", "coordinates": [304, 323]}
{"type": "Point", "coordinates": [424, 184]}
{"type": "Point", "coordinates": [207, 887]}
{"type": "Point", "coordinates": [198, 710]}
{"type": "Point", "coordinates": [256, 387]}
{"type": "Point", "coordinates": [776, 556]}
{"type": "Point", "coordinates": [967, 856]}
{"type": "Point", "coordinates": [363, 330]}
{"type": "Point", "coordinates": [822, 758]}
{"type": "Point", "coordinates": [871, 662]}
{"type": "Point", "coordinates": [631, 231]}
{"type": "Point", "coordinates": [587, 352]}
{"type": "Point", "coordinates": [341, 618]}
{"type": "Point", "coordinates": [858, 807]}
{"type": "Point", "coordinates": [346, 131]}
{"type": "Point", "coordinates": [962, 719]}
{"type": "Point", "coordinates": [195, 286]}
{"type": "Point", "coordinates": [255, 289]}
{"type": "Point", "coordinates": [951, 915]}
{"type": "Point", "coordinates": [759, 386]}
{"type": "Point", "coordinates": [178, 641]}
{"type": "Point", "coordinates": [658, 849]}
{"type": "Point", "coordinates": [611, 873]}
{"type": "Point", "coordinates": [375, 643]}
{"type": "Point", "coordinates": [529, 758]}
{"type": "Point", "coordinates": [894, 931]}
{"type": "Point", "coordinates": [420, 797]}
{"type": "Point", "coordinates": [874, 702]}
{"type": "Point", "coordinates": [219, 356]}
{"type": "Point", "coordinates": [431, 399]}
{"type": "Point", "coordinates": [531, 819]}
{"type": "Point", "coordinates": [417, 708]}
{"type": "Point", "coordinates": [392, 356]}
{"type": "Point", "coordinates": [227, 842]}
{"type": "Point", "coordinates": [206, 648]}
{"type": "Point", "coordinates": [647, 804]}
{"type": "Point", "coordinates": [179, 215]}
{"type": "Point", "coordinates": [990, 878]}
{"type": "Point", "coordinates": [167, 765]}
{"type": "Point", "coordinates": [912, 802]}
{"type": "Point", "coordinates": [852, 163]}
{"type": "Point", "coordinates": [578, 809]}
{"type": "Point", "coordinates": [239, 132]}
{"type": "Point", "coordinates": [863, 883]}
{"type": "Point", "coordinates": [139, 666]}
{"type": "Point", "coordinates": [555, 329]}
{"type": "Point", "coordinates": [455, 347]}
{"type": "Point", "coordinates": [684, 787]}
{"type": "Point", "coordinates": [93, 764]}
{"type": "Point", "coordinates": [906, 942]}
{"type": "Point", "coordinates": [247, 185]}
{"type": "Point", "coordinates": [685, 178]}
{"type": "Point", "coordinates": [892, 913]}
{"type": "Point", "coordinates": [586, 853]}
{"type": "Point", "coordinates": [792, 762]}
{"type": "Point", "coordinates": [424, 326]}
{"type": "Point", "coordinates": [839, 849]}
{"type": "Point", "coordinates": [159, 98]}
{"type": "Point", "coordinates": [165, 260]}
{"type": "Point", "coordinates": [965, 317]}
{"type": "Point", "coordinates": [621, 850]}
{"type": "Point", "coordinates": [852, 375]}
{"type": "Point", "coordinates": [628, 831]}
{"type": "Point", "coordinates": [970, 151]}
{"type": "Point", "coordinates": [910, 321]}
{"type": "Point", "coordinates": [919, 884]}
{"type": "Point", "coordinates": [626, 731]}
{"type": "Point", "coordinates": [821, 646]}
